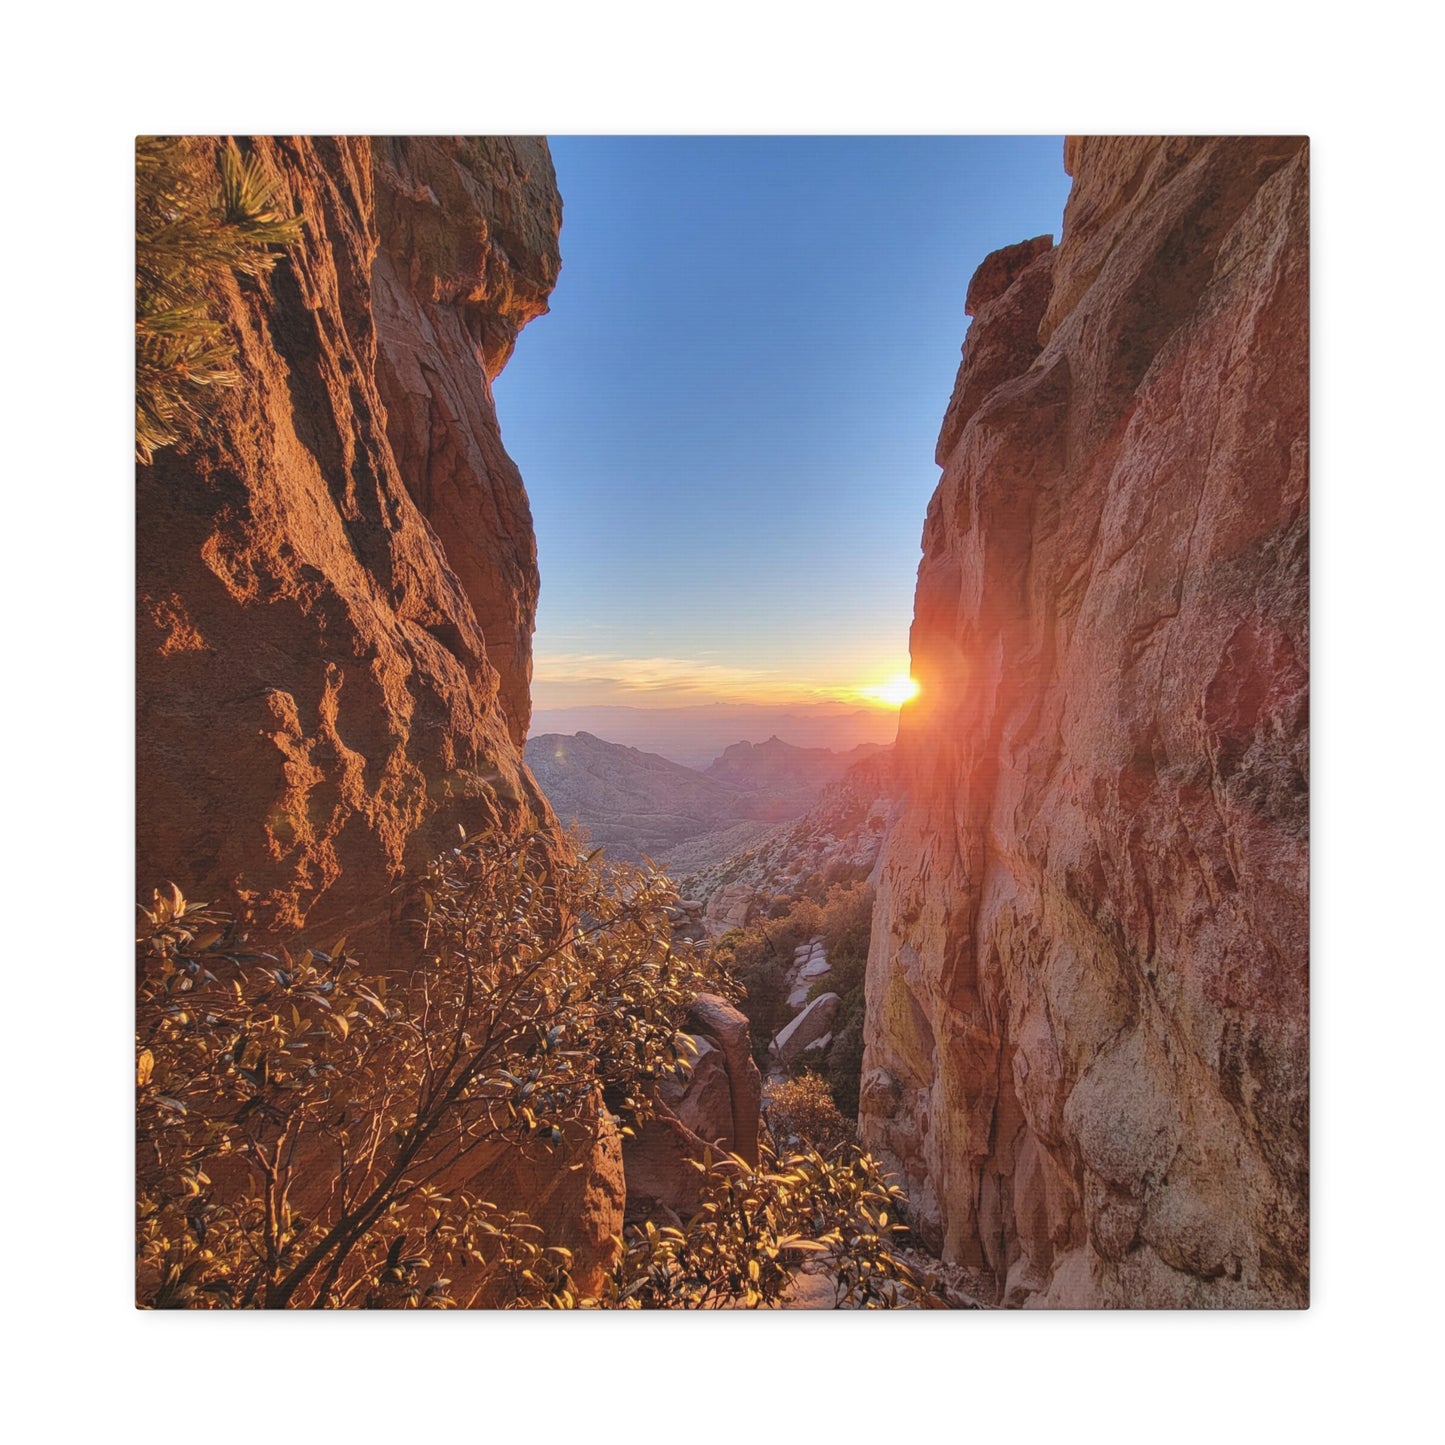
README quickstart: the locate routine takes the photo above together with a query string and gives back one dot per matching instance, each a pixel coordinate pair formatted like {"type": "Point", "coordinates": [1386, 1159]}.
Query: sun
{"type": "Point", "coordinates": [895, 692]}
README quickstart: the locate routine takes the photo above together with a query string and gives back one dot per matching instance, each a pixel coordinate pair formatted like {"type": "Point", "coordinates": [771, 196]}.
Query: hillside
{"type": "Point", "coordinates": [788, 777]}
{"type": "Point", "coordinates": [337, 580]}
{"type": "Point", "coordinates": [632, 802]}
{"type": "Point", "coordinates": [639, 804]}
{"type": "Point", "coordinates": [839, 836]}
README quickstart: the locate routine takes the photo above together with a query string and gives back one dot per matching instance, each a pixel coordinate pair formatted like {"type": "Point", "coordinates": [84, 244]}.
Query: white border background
{"type": "Point", "coordinates": [80, 89]}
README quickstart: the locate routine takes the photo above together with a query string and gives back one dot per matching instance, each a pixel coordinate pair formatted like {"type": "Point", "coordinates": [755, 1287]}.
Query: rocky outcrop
{"type": "Point", "coordinates": [337, 579]}
{"type": "Point", "coordinates": [715, 1021]}
{"type": "Point", "coordinates": [810, 964]}
{"type": "Point", "coordinates": [1086, 1040]}
{"type": "Point", "coordinates": [805, 1030]}
{"type": "Point", "coordinates": [713, 1112]}
{"type": "Point", "coordinates": [732, 906]}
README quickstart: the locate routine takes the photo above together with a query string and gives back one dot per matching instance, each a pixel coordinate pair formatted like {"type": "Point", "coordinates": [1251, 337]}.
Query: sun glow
{"type": "Point", "coordinates": [893, 693]}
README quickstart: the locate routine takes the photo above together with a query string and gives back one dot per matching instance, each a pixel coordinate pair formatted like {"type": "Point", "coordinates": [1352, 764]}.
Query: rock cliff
{"type": "Point", "coordinates": [1086, 1045]}
{"type": "Point", "coordinates": [337, 581]}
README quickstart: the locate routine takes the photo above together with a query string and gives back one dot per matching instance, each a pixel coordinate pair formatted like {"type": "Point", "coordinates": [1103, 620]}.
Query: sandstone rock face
{"type": "Point", "coordinates": [468, 230]}
{"type": "Point", "coordinates": [1086, 1041]}
{"type": "Point", "coordinates": [337, 581]}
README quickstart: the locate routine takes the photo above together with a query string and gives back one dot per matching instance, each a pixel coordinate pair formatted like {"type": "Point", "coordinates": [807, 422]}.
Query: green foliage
{"type": "Point", "coordinates": [303, 1127]}
{"type": "Point", "coordinates": [841, 913]}
{"type": "Point", "coordinates": [844, 1063]}
{"type": "Point", "coordinates": [756, 1227]}
{"type": "Point", "coordinates": [201, 217]}
{"type": "Point", "coordinates": [757, 957]}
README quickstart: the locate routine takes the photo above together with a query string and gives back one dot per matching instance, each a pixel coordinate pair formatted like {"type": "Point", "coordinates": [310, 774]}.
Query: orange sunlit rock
{"type": "Point", "coordinates": [337, 582]}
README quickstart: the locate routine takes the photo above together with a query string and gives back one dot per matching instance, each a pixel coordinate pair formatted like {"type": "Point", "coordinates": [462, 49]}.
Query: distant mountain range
{"type": "Point", "coordinates": [635, 802]}
{"type": "Point", "coordinates": [694, 736]}
{"type": "Point", "coordinates": [789, 778]}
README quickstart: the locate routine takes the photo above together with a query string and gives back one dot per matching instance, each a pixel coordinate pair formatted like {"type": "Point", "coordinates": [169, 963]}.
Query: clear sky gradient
{"type": "Point", "coordinates": [727, 422]}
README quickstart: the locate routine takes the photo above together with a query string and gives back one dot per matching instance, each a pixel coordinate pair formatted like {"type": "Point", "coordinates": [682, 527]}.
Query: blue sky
{"type": "Point", "coordinates": [726, 424]}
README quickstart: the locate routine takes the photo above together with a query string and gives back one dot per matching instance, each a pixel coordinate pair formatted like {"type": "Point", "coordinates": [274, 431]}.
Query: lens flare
{"type": "Point", "coordinates": [895, 692]}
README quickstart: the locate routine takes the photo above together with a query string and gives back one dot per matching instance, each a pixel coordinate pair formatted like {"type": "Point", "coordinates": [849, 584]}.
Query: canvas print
{"type": "Point", "coordinates": [722, 722]}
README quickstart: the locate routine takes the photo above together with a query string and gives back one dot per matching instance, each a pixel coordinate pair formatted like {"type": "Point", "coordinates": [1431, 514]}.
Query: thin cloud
{"type": "Point", "coordinates": [595, 677]}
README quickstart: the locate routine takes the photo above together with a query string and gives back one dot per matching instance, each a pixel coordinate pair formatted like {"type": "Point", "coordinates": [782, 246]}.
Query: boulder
{"type": "Point", "coordinates": [658, 1165]}
{"type": "Point", "coordinates": [730, 907]}
{"type": "Point", "coordinates": [809, 1025]}
{"type": "Point", "coordinates": [704, 1103]}
{"type": "Point", "coordinates": [713, 1112]}
{"type": "Point", "coordinates": [715, 1019]}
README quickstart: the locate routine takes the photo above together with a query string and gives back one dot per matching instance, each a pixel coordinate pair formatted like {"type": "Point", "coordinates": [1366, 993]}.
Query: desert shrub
{"type": "Point", "coordinates": [539, 988]}
{"type": "Point", "coordinates": [756, 1227]}
{"type": "Point", "coordinates": [202, 216]}
{"type": "Point", "coordinates": [765, 1003]}
{"type": "Point", "coordinates": [801, 1111]}
{"type": "Point", "coordinates": [839, 872]}
{"type": "Point", "coordinates": [758, 956]}
{"type": "Point", "coordinates": [845, 923]}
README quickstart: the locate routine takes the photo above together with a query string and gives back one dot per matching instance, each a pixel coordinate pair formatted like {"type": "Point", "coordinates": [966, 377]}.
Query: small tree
{"type": "Point", "coordinates": [307, 1130]}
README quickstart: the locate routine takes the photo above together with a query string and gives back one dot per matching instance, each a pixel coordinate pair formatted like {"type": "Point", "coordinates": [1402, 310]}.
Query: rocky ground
{"type": "Point", "coordinates": [841, 834]}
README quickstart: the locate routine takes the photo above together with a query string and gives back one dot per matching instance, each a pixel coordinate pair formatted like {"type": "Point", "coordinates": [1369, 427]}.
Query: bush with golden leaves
{"type": "Point", "coordinates": [757, 1227]}
{"type": "Point", "coordinates": [801, 1111]}
{"type": "Point", "coordinates": [301, 1122]}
